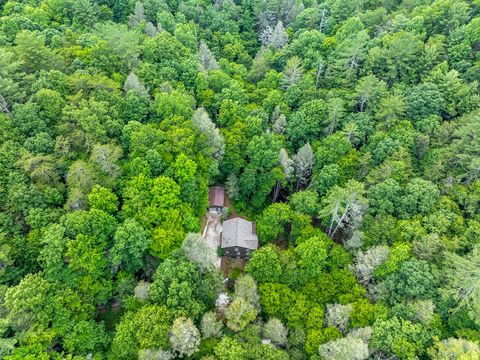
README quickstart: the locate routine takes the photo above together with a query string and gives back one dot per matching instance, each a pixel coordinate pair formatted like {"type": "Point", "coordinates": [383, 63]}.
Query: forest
{"type": "Point", "coordinates": [347, 130]}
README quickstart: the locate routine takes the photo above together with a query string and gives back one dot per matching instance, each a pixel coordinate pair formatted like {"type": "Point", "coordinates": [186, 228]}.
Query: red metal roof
{"type": "Point", "coordinates": [216, 196]}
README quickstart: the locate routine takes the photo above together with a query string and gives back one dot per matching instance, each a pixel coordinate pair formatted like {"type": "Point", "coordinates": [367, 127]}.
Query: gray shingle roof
{"type": "Point", "coordinates": [239, 232]}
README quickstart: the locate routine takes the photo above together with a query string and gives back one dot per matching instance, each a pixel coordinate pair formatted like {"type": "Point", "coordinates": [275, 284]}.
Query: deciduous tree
{"type": "Point", "coordinates": [184, 337]}
{"type": "Point", "coordinates": [264, 265]}
{"type": "Point", "coordinates": [211, 326]}
{"type": "Point", "coordinates": [239, 313]}
{"type": "Point", "coordinates": [275, 331]}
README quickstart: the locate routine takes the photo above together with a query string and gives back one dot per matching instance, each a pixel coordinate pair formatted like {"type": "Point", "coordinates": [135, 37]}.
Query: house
{"type": "Point", "coordinates": [239, 238]}
{"type": "Point", "coordinates": [216, 198]}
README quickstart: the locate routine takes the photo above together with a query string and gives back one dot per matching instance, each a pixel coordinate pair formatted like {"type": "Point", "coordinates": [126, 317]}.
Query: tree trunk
{"type": "Point", "coordinates": [276, 192]}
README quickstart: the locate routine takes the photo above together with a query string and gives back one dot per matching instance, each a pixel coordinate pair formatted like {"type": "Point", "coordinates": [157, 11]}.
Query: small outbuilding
{"type": "Point", "coordinates": [239, 238]}
{"type": "Point", "coordinates": [216, 198]}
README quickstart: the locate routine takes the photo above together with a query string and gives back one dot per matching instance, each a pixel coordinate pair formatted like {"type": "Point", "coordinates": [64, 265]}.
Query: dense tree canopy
{"type": "Point", "coordinates": [348, 131]}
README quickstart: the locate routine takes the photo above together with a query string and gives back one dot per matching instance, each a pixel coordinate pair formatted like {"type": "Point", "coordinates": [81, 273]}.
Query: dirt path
{"type": "Point", "coordinates": [212, 232]}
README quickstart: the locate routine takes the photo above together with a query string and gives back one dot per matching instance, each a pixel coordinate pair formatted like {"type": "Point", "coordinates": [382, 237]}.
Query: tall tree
{"type": "Point", "coordinates": [239, 313]}
{"type": "Point", "coordinates": [462, 275]}
{"type": "Point", "coordinates": [131, 242]}
{"type": "Point", "coordinates": [211, 325]}
{"type": "Point", "coordinates": [206, 58]}
{"type": "Point", "coordinates": [303, 163]}
{"type": "Point", "coordinates": [344, 207]}
{"type": "Point", "coordinates": [275, 331]}
{"type": "Point", "coordinates": [184, 337]}
{"type": "Point", "coordinates": [293, 72]}
{"type": "Point", "coordinates": [202, 122]}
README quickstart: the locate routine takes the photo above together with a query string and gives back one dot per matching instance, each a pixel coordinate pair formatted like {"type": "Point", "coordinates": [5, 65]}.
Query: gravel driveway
{"type": "Point", "coordinates": [211, 233]}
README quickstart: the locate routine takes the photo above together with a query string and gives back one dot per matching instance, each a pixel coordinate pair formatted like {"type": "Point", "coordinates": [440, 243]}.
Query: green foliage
{"type": "Point", "coordinates": [294, 308]}
{"type": "Point", "coordinates": [317, 337]}
{"type": "Point", "coordinates": [305, 202]}
{"type": "Point", "coordinates": [462, 287]}
{"type": "Point", "coordinates": [398, 254]}
{"type": "Point", "coordinates": [413, 280]}
{"type": "Point", "coordinates": [130, 243]}
{"type": "Point", "coordinates": [144, 329]}
{"type": "Point", "coordinates": [312, 255]}
{"type": "Point", "coordinates": [305, 125]}
{"type": "Point", "coordinates": [239, 313]}
{"type": "Point", "coordinates": [348, 130]}
{"type": "Point", "coordinates": [86, 337]}
{"type": "Point", "coordinates": [27, 302]}
{"type": "Point", "coordinates": [180, 285]}
{"type": "Point", "coordinates": [401, 338]}
{"type": "Point", "coordinates": [176, 103]}
{"type": "Point", "coordinates": [338, 286]}
{"type": "Point", "coordinates": [228, 349]}
{"type": "Point", "coordinates": [265, 265]}
{"type": "Point", "coordinates": [343, 207]}
{"type": "Point", "coordinates": [454, 348]}
{"type": "Point", "coordinates": [156, 203]}
{"type": "Point", "coordinates": [261, 173]}
{"type": "Point", "coordinates": [103, 199]}
{"type": "Point", "coordinates": [273, 222]}
{"type": "Point", "coordinates": [420, 197]}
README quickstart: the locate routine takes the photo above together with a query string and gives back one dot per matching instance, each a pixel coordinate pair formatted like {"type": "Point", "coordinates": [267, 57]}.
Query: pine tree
{"type": "Point", "coordinates": [133, 83]}
{"type": "Point", "coordinates": [303, 163]}
{"type": "Point", "coordinates": [151, 29]}
{"type": "Point", "coordinates": [463, 281]}
{"type": "Point", "coordinates": [233, 191]}
{"type": "Point", "coordinates": [278, 37]}
{"type": "Point", "coordinates": [366, 262]}
{"type": "Point", "coordinates": [4, 106]}
{"type": "Point", "coordinates": [286, 163]}
{"type": "Point", "coordinates": [202, 122]}
{"type": "Point", "coordinates": [287, 166]}
{"type": "Point", "coordinates": [280, 124]}
{"type": "Point", "coordinates": [344, 207]}
{"type": "Point", "coordinates": [206, 58]}
{"type": "Point", "coordinates": [141, 290]}
{"type": "Point", "coordinates": [347, 348]}
{"type": "Point", "coordinates": [336, 111]}
{"type": "Point", "coordinates": [154, 354]}
{"type": "Point", "coordinates": [293, 72]}
{"type": "Point", "coordinates": [138, 15]}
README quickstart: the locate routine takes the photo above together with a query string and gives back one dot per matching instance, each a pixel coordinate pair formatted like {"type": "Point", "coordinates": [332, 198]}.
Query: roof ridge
{"type": "Point", "coordinates": [236, 230]}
